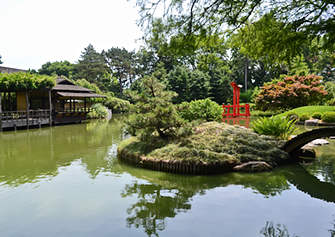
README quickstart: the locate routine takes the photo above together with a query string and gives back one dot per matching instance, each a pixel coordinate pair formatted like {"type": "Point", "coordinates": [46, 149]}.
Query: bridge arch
{"type": "Point", "coordinates": [292, 146]}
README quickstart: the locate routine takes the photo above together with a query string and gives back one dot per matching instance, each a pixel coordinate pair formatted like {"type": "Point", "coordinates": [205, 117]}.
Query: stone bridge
{"type": "Point", "coordinates": [292, 146]}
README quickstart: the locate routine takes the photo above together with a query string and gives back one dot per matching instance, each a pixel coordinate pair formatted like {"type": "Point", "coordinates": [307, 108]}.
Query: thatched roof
{"type": "Point", "coordinates": [65, 88]}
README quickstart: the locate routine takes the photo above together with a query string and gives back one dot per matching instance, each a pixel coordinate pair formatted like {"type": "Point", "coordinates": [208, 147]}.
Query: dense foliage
{"type": "Point", "coordinates": [201, 110]}
{"type": "Point", "coordinates": [57, 68]}
{"type": "Point", "coordinates": [25, 81]}
{"type": "Point", "coordinates": [303, 117]}
{"type": "Point", "coordinates": [328, 117]}
{"type": "Point", "coordinates": [290, 93]}
{"type": "Point", "coordinates": [274, 126]}
{"type": "Point", "coordinates": [99, 111]}
{"type": "Point", "coordinates": [156, 112]}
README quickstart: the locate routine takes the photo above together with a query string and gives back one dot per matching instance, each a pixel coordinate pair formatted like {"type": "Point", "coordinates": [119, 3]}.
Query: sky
{"type": "Point", "coordinates": [33, 32]}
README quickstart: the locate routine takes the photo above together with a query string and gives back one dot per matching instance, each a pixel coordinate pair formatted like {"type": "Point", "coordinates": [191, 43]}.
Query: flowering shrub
{"type": "Point", "coordinates": [291, 93]}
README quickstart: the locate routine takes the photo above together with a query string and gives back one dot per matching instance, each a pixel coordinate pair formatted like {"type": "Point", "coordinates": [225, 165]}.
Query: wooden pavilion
{"type": "Point", "coordinates": [64, 103]}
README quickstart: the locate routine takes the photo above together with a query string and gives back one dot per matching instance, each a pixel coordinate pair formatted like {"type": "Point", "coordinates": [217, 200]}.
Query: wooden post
{"type": "Point", "coordinates": [0, 114]}
{"type": "Point", "coordinates": [50, 109]}
{"type": "Point", "coordinates": [27, 109]}
{"type": "Point", "coordinates": [85, 104]}
{"type": "Point", "coordinates": [10, 101]}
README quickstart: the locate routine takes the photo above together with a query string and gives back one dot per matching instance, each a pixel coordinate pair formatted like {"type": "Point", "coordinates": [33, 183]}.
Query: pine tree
{"type": "Point", "coordinates": [90, 66]}
{"type": "Point", "coordinates": [156, 113]}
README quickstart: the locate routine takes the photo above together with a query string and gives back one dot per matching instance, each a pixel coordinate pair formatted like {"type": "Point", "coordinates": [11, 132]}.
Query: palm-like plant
{"type": "Point", "coordinates": [275, 126]}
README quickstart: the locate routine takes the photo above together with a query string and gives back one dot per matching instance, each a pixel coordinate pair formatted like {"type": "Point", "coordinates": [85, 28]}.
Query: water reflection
{"type": "Point", "coordinates": [29, 156]}
{"type": "Point", "coordinates": [332, 231]}
{"type": "Point", "coordinates": [275, 231]}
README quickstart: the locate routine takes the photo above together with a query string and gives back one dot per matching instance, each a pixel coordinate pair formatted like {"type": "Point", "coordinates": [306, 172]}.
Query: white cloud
{"type": "Point", "coordinates": [34, 32]}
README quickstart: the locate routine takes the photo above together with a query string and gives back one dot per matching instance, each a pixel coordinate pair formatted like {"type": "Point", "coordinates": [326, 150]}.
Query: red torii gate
{"type": "Point", "coordinates": [236, 104]}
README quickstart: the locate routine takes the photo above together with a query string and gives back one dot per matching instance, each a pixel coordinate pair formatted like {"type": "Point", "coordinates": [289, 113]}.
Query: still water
{"type": "Point", "coordinates": [68, 181]}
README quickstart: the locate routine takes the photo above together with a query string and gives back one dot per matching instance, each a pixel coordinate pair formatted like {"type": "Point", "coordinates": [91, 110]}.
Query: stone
{"type": "Point", "coordinates": [319, 142]}
{"type": "Point", "coordinates": [307, 152]}
{"type": "Point", "coordinates": [253, 166]}
{"type": "Point", "coordinates": [294, 117]}
{"type": "Point", "coordinates": [312, 122]}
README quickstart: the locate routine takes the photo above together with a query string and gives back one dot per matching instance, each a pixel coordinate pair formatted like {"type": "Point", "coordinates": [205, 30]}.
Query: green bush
{"type": "Point", "coordinates": [117, 105]}
{"type": "Point", "coordinates": [328, 117]}
{"type": "Point", "coordinates": [275, 126]}
{"type": "Point", "coordinates": [201, 110]}
{"type": "Point", "coordinates": [291, 113]}
{"type": "Point", "coordinates": [303, 117]}
{"type": "Point", "coordinates": [316, 115]}
{"type": "Point", "coordinates": [99, 111]}
{"type": "Point", "coordinates": [331, 102]}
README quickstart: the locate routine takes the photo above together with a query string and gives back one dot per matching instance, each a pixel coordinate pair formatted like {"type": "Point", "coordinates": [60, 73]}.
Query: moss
{"type": "Point", "coordinates": [211, 143]}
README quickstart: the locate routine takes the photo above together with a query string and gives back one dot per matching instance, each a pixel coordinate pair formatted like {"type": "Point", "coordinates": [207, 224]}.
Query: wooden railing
{"type": "Point", "coordinates": [18, 118]}
{"type": "Point", "coordinates": [74, 110]}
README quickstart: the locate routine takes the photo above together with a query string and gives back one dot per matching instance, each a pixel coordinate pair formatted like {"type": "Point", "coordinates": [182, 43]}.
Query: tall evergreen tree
{"type": "Point", "coordinates": [179, 82]}
{"type": "Point", "coordinates": [220, 90]}
{"type": "Point", "coordinates": [120, 64]}
{"type": "Point", "coordinates": [90, 66]}
{"type": "Point", "coordinates": [0, 60]}
{"type": "Point", "coordinates": [199, 85]}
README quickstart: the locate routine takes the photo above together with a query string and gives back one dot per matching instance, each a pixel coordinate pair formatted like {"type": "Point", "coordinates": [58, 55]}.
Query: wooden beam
{"type": "Point", "coordinates": [0, 114]}
{"type": "Point", "coordinates": [50, 109]}
{"type": "Point", "coordinates": [27, 109]}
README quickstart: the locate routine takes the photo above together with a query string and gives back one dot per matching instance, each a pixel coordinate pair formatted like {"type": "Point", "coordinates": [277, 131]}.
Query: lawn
{"type": "Point", "coordinates": [309, 110]}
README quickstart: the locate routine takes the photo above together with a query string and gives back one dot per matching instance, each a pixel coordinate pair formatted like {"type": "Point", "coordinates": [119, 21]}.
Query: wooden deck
{"type": "Point", "coordinates": [16, 119]}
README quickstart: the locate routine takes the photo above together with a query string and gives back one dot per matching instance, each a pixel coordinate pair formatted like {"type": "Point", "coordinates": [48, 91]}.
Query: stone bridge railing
{"type": "Point", "coordinates": [292, 146]}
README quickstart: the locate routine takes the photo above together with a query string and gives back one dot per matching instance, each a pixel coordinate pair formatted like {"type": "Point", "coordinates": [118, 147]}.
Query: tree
{"type": "Point", "coordinates": [290, 93]}
{"type": "Point", "coordinates": [199, 85]}
{"type": "Point", "coordinates": [156, 112]}
{"type": "Point", "coordinates": [179, 82]}
{"type": "Point", "coordinates": [91, 66]}
{"type": "Point", "coordinates": [59, 68]}
{"type": "Point", "coordinates": [220, 90]}
{"type": "Point", "coordinates": [0, 60]}
{"type": "Point", "coordinates": [119, 62]}
{"type": "Point", "coordinates": [301, 21]}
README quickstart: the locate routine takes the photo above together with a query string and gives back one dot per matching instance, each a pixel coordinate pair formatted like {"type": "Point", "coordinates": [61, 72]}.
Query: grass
{"type": "Point", "coordinates": [309, 110]}
{"type": "Point", "coordinates": [211, 142]}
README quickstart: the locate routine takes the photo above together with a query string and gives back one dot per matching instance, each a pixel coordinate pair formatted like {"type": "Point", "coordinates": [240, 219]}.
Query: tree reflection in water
{"type": "Point", "coordinates": [332, 232]}
{"type": "Point", "coordinates": [275, 231]}
{"type": "Point", "coordinates": [154, 205]}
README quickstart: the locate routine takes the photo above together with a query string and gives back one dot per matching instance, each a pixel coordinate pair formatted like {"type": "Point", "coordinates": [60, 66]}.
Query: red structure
{"type": "Point", "coordinates": [236, 105]}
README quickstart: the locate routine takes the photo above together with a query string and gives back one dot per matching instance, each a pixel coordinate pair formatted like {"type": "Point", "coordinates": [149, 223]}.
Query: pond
{"type": "Point", "coordinates": [68, 181]}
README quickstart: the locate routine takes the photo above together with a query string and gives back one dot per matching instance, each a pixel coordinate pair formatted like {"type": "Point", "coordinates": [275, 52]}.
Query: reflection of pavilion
{"type": "Point", "coordinates": [243, 121]}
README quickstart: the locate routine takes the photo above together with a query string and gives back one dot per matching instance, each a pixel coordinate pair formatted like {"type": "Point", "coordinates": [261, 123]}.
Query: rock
{"type": "Point", "coordinates": [307, 152]}
{"type": "Point", "coordinates": [253, 166]}
{"type": "Point", "coordinates": [319, 142]}
{"type": "Point", "coordinates": [311, 122]}
{"type": "Point", "coordinates": [294, 117]}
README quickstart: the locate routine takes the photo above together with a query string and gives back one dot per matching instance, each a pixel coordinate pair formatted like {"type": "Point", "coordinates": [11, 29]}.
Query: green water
{"type": "Point", "coordinates": [68, 181]}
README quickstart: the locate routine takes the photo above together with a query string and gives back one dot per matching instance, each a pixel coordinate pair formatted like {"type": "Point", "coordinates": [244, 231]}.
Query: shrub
{"type": "Point", "coordinates": [117, 105]}
{"type": "Point", "coordinates": [303, 117]}
{"type": "Point", "coordinates": [291, 113]}
{"type": "Point", "coordinates": [292, 92]}
{"type": "Point", "coordinates": [274, 126]}
{"type": "Point", "coordinates": [331, 102]}
{"type": "Point", "coordinates": [328, 117]}
{"type": "Point", "coordinates": [99, 111]}
{"type": "Point", "coordinates": [316, 115]}
{"type": "Point", "coordinates": [201, 109]}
